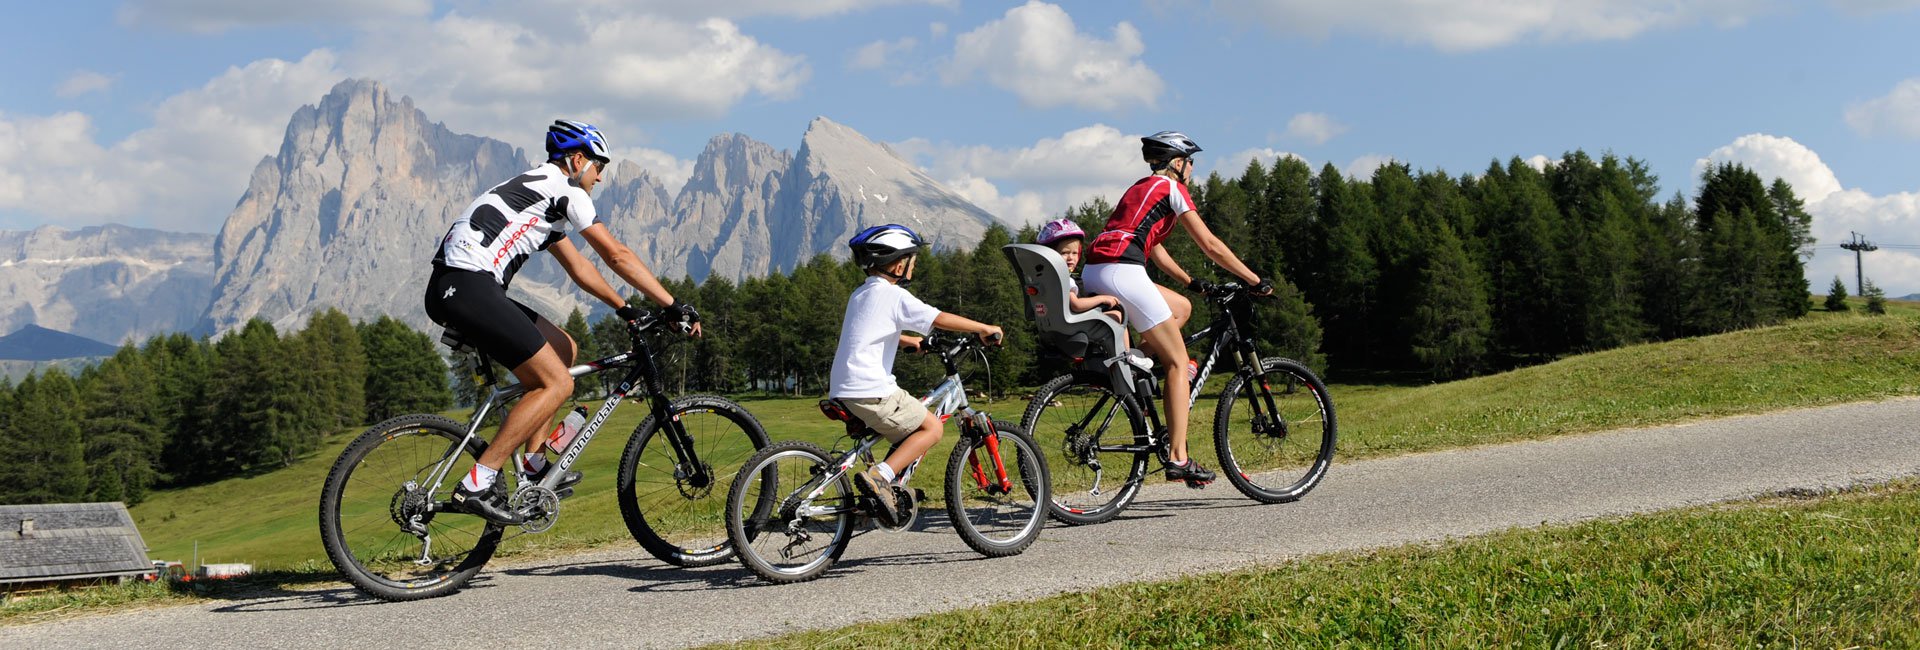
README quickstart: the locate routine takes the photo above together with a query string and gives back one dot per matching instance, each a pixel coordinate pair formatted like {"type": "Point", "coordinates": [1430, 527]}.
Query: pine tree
{"type": "Point", "coordinates": [576, 329]}
{"type": "Point", "coordinates": [336, 367]}
{"type": "Point", "coordinates": [49, 463]}
{"type": "Point", "coordinates": [405, 373]}
{"type": "Point", "coordinates": [1876, 298]}
{"type": "Point", "coordinates": [121, 431]}
{"type": "Point", "coordinates": [184, 366]}
{"type": "Point", "coordinates": [1837, 295]}
{"type": "Point", "coordinates": [1347, 283]}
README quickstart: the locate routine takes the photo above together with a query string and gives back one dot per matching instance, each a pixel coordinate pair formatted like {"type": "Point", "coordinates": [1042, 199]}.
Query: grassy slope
{"type": "Point", "coordinates": [1838, 571]}
{"type": "Point", "coordinates": [269, 520]}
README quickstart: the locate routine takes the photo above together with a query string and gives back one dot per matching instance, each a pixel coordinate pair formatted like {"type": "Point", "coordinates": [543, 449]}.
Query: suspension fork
{"type": "Point", "coordinates": [992, 445]}
{"type": "Point", "coordinates": [688, 466]}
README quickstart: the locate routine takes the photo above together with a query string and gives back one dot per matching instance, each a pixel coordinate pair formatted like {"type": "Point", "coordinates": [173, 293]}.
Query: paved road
{"type": "Point", "coordinates": [622, 598]}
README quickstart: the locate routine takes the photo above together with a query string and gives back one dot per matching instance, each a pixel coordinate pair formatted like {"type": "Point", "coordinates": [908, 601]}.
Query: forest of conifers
{"type": "Point", "coordinates": [1403, 275]}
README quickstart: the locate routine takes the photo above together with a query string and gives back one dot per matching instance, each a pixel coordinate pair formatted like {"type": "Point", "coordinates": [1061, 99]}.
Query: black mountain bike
{"type": "Point", "coordinates": [387, 525]}
{"type": "Point", "coordinates": [1273, 429]}
{"type": "Point", "coordinates": [792, 509]}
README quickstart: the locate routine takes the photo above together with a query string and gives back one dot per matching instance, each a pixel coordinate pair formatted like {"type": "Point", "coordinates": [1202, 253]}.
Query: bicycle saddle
{"type": "Point", "coordinates": [453, 339]}
{"type": "Point", "coordinates": [834, 411]}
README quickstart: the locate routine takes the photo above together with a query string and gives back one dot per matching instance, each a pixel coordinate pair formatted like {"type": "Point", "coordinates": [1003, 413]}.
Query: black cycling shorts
{"type": "Point", "coordinates": [471, 303]}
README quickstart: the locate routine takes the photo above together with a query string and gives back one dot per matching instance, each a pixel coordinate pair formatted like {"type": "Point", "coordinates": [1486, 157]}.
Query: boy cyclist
{"type": "Point", "coordinates": [871, 332]}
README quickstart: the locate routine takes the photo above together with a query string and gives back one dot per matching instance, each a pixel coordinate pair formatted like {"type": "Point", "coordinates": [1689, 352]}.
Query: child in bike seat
{"type": "Point", "coordinates": [871, 332]}
{"type": "Point", "coordinates": [1066, 238]}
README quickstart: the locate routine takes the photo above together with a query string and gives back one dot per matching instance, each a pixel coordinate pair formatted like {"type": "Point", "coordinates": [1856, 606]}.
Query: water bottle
{"type": "Point", "coordinates": [568, 428]}
{"type": "Point", "coordinates": [1193, 370]}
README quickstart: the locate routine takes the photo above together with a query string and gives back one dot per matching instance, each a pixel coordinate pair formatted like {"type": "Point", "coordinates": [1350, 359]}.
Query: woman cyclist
{"type": "Point", "coordinates": [467, 292]}
{"type": "Point", "coordinates": [1116, 266]}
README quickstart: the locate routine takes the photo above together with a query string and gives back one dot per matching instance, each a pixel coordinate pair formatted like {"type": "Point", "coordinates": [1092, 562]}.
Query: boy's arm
{"type": "Point", "coordinates": [957, 323]}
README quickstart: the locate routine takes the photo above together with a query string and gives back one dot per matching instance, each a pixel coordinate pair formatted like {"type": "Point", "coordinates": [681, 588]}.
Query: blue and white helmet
{"type": "Point", "coordinates": [885, 244]}
{"type": "Point", "coordinates": [568, 135]}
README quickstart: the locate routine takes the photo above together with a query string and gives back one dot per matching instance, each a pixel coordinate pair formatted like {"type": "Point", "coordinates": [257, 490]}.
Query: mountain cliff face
{"type": "Point", "coordinates": [349, 211]}
{"type": "Point", "coordinates": [107, 283]}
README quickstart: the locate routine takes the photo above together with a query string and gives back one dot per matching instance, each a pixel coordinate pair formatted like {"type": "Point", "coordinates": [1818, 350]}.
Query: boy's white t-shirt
{"type": "Point", "coordinates": [877, 312]}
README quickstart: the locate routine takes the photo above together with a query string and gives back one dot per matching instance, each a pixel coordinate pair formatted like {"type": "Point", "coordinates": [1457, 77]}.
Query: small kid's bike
{"type": "Point", "coordinates": [1273, 429]}
{"type": "Point", "coordinates": [387, 525]}
{"type": "Point", "coordinates": [793, 509]}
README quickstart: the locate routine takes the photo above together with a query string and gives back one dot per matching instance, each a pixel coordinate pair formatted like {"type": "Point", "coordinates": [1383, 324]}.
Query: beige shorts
{"type": "Point", "coordinates": [893, 416]}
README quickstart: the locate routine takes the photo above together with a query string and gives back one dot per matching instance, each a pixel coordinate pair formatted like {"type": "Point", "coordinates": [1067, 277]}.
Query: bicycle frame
{"type": "Point", "coordinates": [642, 372]}
{"type": "Point", "coordinates": [945, 401]}
{"type": "Point", "coordinates": [1228, 337]}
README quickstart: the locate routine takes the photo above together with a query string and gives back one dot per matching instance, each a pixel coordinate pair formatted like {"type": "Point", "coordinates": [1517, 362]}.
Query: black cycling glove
{"type": "Point", "coordinates": [1263, 287]}
{"type": "Point", "coordinates": [1198, 285]}
{"type": "Point", "coordinates": [683, 311]}
{"type": "Point", "coordinates": [630, 313]}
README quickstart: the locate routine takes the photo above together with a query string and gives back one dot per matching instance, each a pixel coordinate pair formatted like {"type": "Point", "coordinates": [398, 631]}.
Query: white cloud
{"type": "Point", "coordinates": [879, 54]}
{"type": "Point", "coordinates": [1776, 157]}
{"type": "Point", "coordinates": [1363, 166]}
{"type": "Point", "coordinates": [734, 8]}
{"type": "Point", "coordinates": [1464, 25]}
{"type": "Point", "coordinates": [1887, 219]}
{"type": "Point", "coordinates": [937, 30]}
{"type": "Point", "coordinates": [1035, 52]}
{"type": "Point", "coordinates": [672, 171]}
{"type": "Point", "coordinates": [1234, 164]}
{"type": "Point", "coordinates": [214, 16]}
{"type": "Point", "coordinates": [183, 172]}
{"type": "Point", "coordinates": [1038, 182]}
{"type": "Point", "coordinates": [1867, 7]}
{"type": "Point", "coordinates": [1314, 128]}
{"type": "Point", "coordinates": [1897, 113]}
{"type": "Point", "coordinates": [83, 82]}
{"type": "Point", "coordinates": [1539, 162]}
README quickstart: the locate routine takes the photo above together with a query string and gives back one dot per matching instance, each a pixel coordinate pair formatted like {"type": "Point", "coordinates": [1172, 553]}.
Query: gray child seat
{"type": "Point", "coordinates": [1043, 282]}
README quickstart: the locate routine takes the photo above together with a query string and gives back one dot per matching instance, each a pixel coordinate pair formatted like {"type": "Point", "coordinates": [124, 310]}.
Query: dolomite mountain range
{"type": "Point", "coordinates": [347, 213]}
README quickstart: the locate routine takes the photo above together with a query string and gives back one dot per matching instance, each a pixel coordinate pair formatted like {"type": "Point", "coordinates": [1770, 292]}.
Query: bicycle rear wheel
{"type": "Point", "coordinates": [377, 518]}
{"type": "Point", "coordinates": [778, 532]}
{"type": "Point", "coordinates": [997, 515]}
{"type": "Point", "coordinates": [1275, 454]}
{"type": "Point", "coordinates": [1068, 419]}
{"type": "Point", "coordinates": [672, 506]}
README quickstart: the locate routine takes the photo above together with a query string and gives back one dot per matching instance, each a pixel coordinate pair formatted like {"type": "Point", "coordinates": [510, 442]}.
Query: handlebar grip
{"type": "Point", "coordinates": [994, 339]}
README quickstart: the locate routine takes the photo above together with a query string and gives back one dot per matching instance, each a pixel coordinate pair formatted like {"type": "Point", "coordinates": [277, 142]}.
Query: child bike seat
{"type": "Point", "coordinates": [1043, 282]}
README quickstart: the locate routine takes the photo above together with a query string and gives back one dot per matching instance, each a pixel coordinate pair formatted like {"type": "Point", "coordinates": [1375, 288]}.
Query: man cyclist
{"type": "Point", "coordinates": [467, 292]}
{"type": "Point", "coordinates": [1116, 266]}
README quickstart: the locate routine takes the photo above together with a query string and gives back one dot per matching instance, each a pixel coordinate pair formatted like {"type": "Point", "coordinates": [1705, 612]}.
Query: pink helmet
{"type": "Point", "coordinates": [1059, 229]}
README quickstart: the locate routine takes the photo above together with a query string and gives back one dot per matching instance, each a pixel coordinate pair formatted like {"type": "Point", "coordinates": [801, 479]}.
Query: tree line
{"type": "Point", "coordinates": [180, 410]}
{"type": "Point", "coordinates": [1401, 273]}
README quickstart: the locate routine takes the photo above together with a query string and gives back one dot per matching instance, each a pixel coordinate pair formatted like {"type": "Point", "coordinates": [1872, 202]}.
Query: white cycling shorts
{"type": "Point", "coordinates": [1145, 306]}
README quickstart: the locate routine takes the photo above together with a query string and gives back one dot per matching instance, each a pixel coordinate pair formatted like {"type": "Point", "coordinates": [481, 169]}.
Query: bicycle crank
{"type": "Point", "coordinates": [540, 506]}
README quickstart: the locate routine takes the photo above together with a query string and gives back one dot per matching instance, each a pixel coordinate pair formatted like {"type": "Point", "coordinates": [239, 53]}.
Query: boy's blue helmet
{"type": "Point", "coordinates": [885, 244]}
{"type": "Point", "coordinates": [568, 135]}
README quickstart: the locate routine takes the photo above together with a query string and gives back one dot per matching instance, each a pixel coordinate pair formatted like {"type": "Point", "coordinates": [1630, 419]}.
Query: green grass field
{"type": "Point", "coordinates": [271, 520]}
{"type": "Point", "coordinates": [1835, 571]}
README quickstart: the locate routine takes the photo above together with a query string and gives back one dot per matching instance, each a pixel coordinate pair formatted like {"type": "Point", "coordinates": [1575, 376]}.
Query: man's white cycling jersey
{"type": "Point", "coordinates": [508, 223]}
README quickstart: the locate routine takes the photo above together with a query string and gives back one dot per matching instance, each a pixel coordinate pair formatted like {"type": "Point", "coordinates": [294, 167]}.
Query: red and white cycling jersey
{"type": "Point", "coordinates": [511, 221]}
{"type": "Point", "coordinates": [1142, 219]}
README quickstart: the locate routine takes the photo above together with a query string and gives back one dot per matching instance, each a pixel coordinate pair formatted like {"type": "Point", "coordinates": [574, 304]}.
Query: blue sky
{"type": "Point", "coordinates": [153, 112]}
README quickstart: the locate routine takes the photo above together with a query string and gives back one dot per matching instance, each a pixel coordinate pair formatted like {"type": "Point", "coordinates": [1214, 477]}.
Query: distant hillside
{"type": "Point", "coordinates": [1910, 296]}
{"type": "Point", "coordinates": [35, 343]}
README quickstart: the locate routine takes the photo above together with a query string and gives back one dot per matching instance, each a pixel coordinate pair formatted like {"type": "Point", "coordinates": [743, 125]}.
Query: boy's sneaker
{"type": "Point", "coordinates": [881, 491]}
{"type": "Point", "coordinates": [488, 503]}
{"type": "Point", "coordinates": [1192, 473]}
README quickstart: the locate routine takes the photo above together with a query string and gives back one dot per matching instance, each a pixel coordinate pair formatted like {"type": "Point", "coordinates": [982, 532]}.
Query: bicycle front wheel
{"type": "Point", "coordinates": [1070, 418]}
{"type": "Point", "coordinates": [1275, 431]}
{"type": "Point", "coordinates": [380, 520]}
{"type": "Point", "coordinates": [668, 491]}
{"type": "Point", "coordinates": [787, 522]}
{"type": "Point", "coordinates": [997, 491]}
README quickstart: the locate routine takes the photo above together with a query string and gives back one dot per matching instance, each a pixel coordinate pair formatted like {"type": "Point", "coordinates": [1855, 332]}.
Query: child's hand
{"type": "Point", "coordinates": [912, 343]}
{"type": "Point", "coordinates": [992, 335]}
{"type": "Point", "coordinates": [1110, 302]}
